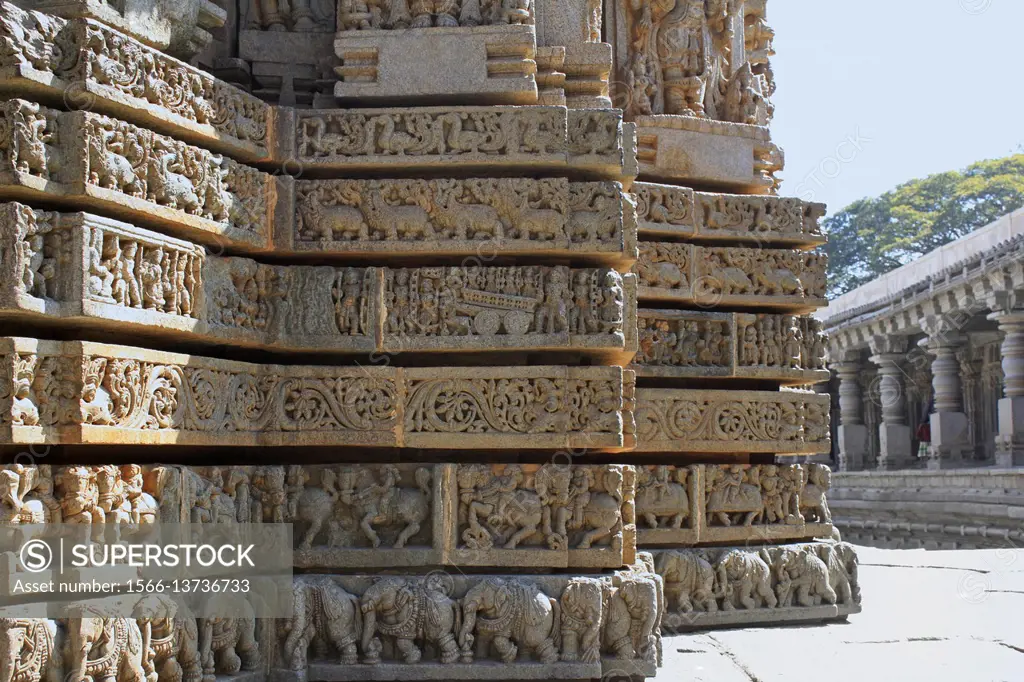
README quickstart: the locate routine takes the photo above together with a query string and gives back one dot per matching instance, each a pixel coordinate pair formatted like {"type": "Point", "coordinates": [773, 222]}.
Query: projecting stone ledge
{"type": "Point", "coordinates": [708, 276]}
{"type": "Point", "coordinates": [680, 212]}
{"type": "Point", "coordinates": [100, 69]}
{"type": "Point", "coordinates": [731, 586]}
{"type": "Point", "coordinates": [680, 344]}
{"type": "Point", "coordinates": [102, 274]}
{"type": "Point", "coordinates": [733, 157]}
{"type": "Point", "coordinates": [706, 421]}
{"type": "Point", "coordinates": [709, 504]}
{"type": "Point", "coordinates": [67, 392]}
{"type": "Point", "coordinates": [87, 160]}
{"type": "Point", "coordinates": [586, 142]}
{"type": "Point", "coordinates": [493, 65]}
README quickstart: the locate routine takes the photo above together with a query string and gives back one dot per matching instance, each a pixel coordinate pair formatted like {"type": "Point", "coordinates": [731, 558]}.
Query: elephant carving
{"type": "Point", "coordinates": [582, 606]}
{"type": "Point", "coordinates": [408, 612]}
{"type": "Point", "coordinates": [689, 581]}
{"type": "Point", "coordinates": [105, 650]}
{"type": "Point", "coordinates": [744, 580]}
{"type": "Point", "coordinates": [228, 645]}
{"type": "Point", "coordinates": [632, 618]}
{"type": "Point", "coordinates": [324, 614]}
{"type": "Point", "coordinates": [509, 614]}
{"type": "Point", "coordinates": [173, 642]}
{"type": "Point", "coordinates": [30, 650]}
{"type": "Point", "coordinates": [804, 577]}
{"type": "Point", "coordinates": [663, 500]}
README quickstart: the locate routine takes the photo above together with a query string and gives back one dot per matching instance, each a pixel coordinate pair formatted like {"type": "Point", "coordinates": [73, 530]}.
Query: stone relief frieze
{"type": "Point", "coordinates": [79, 391]}
{"type": "Point", "coordinates": [725, 275]}
{"type": "Point", "coordinates": [693, 420]}
{"type": "Point", "coordinates": [700, 58]}
{"type": "Point", "coordinates": [766, 220]}
{"type": "Point", "coordinates": [115, 72]}
{"type": "Point", "coordinates": [118, 275]}
{"type": "Point", "coordinates": [361, 15]}
{"type": "Point", "coordinates": [682, 344]}
{"type": "Point", "coordinates": [130, 170]}
{"type": "Point", "coordinates": [732, 585]}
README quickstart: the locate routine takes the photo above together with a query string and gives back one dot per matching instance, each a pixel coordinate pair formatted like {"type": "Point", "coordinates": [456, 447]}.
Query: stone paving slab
{"type": "Point", "coordinates": [940, 616]}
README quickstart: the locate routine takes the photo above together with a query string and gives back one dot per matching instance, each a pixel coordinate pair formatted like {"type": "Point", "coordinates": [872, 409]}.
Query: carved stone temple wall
{"type": "Point", "coordinates": [495, 301]}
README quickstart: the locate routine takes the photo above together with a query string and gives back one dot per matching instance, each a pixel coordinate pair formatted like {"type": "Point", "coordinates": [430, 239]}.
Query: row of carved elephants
{"type": "Point", "coordinates": [705, 587]}
{"type": "Point", "coordinates": [339, 621]}
{"type": "Point", "coordinates": [463, 514]}
{"type": "Point", "coordinates": [80, 265]}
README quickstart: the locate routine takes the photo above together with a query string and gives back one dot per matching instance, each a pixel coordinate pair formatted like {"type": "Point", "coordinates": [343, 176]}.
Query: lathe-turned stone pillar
{"type": "Point", "coordinates": [949, 425]}
{"type": "Point", "coordinates": [889, 352]}
{"type": "Point", "coordinates": [1010, 439]}
{"type": "Point", "coordinates": [852, 433]}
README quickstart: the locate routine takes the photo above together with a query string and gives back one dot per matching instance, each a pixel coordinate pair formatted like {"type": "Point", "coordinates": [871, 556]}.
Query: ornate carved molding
{"type": "Point", "coordinates": [733, 586]}
{"type": "Point", "coordinates": [697, 421]}
{"type": "Point", "coordinates": [110, 275]}
{"type": "Point", "coordinates": [790, 281]}
{"type": "Point", "coordinates": [684, 344]}
{"type": "Point", "coordinates": [83, 64]}
{"type": "Point", "coordinates": [669, 211]}
{"type": "Point", "coordinates": [67, 392]}
{"type": "Point", "coordinates": [99, 162]}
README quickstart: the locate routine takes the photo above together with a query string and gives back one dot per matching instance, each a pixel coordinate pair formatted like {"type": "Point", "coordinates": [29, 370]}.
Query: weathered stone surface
{"type": "Point", "coordinates": [707, 504]}
{"type": "Point", "coordinates": [967, 508]}
{"type": "Point", "coordinates": [413, 624]}
{"type": "Point", "coordinates": [550, 515]}
{"type": "Point", "coordinates": [465, 138]}
{"type": "Point", "coordinates": [709, 276]}
{"type": "Point", "coordinates": [83, 392]}
{"type": "Point", "coordinates": [480, 217]}
{"type": "Point", "coordinates": [92, 161]}
{"type": "Point", "coordinates": [178, 27]}
{"type": "Point", "coordinates": [730, 586]}
{"type": "Point", "coordinates": [493, 65]}
{"type": "Point", "coordinates": [106, 274]}
{"type": "Point", "coordinates": [697, 421]}
{"type": "Point", "coordinates": [731, 157]}
{"type": "Point", "coordinates": [81, 63]}
{"type": "Point", "coordinates": [764, 221]}
{"type": "Point", "coordinates": [698, 59]}
{"type": "Point", "coordinates": [683, 344]}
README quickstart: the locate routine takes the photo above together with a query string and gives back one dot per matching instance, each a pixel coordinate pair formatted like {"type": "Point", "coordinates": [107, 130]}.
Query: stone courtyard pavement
{"type": "Point", "coordinates": [945, 616]}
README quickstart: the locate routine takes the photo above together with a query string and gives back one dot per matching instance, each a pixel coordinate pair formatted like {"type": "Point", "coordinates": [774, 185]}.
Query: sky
{"type": "Point", "coordinates": [872, 93]}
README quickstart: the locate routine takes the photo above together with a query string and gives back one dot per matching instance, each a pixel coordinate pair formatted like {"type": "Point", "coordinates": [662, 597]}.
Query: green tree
{"type": "Point", "coordinates": [870, 237]}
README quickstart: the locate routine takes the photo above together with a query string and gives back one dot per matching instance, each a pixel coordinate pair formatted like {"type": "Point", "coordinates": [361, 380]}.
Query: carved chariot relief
{"type": "Point", "coordinates": [732, 586]}
{"type": "Point", "coordinates": [790, 281]}
{"type": "Point", "coordinates": [701, 421]}
{"type": "Point", "coordinates": [105, 163]}
{"type": "Point", "coordinates": [682, 344]}
{"type": "Point", "coordinates": [666, 210]}
{"type": "Point", "coordinates": [84, 62]}
{"type": "Point", "coordinates": [700, 58]}
{"type": "Point", "coordinates": [546, 515]}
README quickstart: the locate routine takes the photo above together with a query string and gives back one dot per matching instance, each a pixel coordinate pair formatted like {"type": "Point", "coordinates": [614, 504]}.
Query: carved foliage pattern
{"type": "Point", "coordinates": [83, 51]}
{"type": "Point", "coordinates": [786, 417]}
